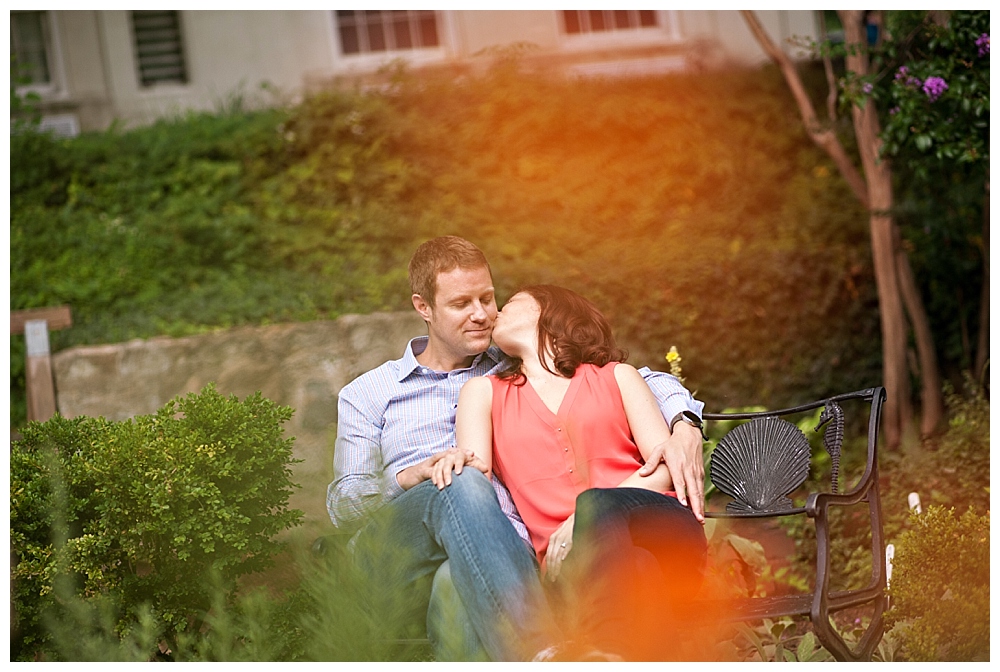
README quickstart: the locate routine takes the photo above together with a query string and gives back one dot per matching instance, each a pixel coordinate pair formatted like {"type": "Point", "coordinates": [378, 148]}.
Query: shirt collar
{"type": "Point", "coordinates": [409, 364]}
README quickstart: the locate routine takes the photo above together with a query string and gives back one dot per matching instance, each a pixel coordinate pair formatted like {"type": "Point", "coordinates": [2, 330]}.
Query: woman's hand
{"type": "Point", "coordinates": [560, 544]}
{"type": "Point", "coordinates": [451, 460]}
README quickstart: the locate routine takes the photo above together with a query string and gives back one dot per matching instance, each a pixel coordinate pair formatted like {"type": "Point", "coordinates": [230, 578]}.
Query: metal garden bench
{"type": "Point", "coordinates": [762, 461]}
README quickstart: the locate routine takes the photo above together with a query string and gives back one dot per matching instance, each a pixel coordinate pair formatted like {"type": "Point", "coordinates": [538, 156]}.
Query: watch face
{"type": "Point", "coordinates": [692, 419]}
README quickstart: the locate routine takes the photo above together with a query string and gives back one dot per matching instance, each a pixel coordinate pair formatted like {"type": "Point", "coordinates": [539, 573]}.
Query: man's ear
{"type": "Point", "coordinates": [422, 307]}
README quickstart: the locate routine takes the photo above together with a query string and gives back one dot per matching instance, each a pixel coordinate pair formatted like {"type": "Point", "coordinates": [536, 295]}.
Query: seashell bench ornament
{"type": "Point", "coordinates": [761, 462]}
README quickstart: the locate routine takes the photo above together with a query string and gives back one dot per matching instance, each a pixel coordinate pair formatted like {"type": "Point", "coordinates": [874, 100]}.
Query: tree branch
{"type": "Point", "coordinates": [825, 139]}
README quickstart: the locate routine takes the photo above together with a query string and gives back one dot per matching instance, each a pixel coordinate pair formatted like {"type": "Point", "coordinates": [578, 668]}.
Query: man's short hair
{"type": "Point", "coordinates": [440, 255]}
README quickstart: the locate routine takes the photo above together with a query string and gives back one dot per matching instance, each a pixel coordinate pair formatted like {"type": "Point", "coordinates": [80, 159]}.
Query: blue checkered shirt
{"type": "Point", "coordinates": [401, 413]}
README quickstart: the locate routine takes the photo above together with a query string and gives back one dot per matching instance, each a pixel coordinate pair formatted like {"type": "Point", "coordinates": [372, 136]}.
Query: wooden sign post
{"type": "Point", "coordinates": [35, 325]}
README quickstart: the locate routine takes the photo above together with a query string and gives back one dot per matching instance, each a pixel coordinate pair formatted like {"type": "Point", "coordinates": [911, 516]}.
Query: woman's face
{"type": "Point", "coordinates": [516, 326]}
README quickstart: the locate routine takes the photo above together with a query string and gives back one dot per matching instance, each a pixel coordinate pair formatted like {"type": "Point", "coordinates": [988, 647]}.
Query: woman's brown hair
{"type": "Point", "coordinates": [572, 330]}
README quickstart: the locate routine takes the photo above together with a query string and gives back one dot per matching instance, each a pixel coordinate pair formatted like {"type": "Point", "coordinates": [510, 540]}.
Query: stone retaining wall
{"type": "Point", "coordinates": [302, 365]}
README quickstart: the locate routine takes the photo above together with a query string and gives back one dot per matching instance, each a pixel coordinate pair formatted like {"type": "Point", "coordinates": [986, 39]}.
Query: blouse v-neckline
{"type": "Point", "coordinates": [543, 410]}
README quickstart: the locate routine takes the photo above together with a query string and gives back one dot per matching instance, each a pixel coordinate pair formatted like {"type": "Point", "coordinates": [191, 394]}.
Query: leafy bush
{"type": "Point", "coordinates": [150, 510]}
{"type": "Point", "coordinates": [648, 196]}
{"type": "Point", "coordinates": [940, 589]}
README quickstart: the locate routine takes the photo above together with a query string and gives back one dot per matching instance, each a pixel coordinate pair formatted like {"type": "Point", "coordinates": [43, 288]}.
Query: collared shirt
{"type": "Point", "coordinates": [402, 413]}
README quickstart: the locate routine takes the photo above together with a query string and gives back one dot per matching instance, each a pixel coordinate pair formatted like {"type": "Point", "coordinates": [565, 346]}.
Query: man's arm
{"type": "Point", "coordinates": [671, 395]}
{"type": "Point", "coordinates": [682, 452]}
{"type": "Point", "coordinates": [361, 483]}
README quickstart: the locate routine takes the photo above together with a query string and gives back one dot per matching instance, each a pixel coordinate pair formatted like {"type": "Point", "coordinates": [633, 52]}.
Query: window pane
{"type": "Point", "coordinates": [597, 20]}
{"type": "Point", "coordinates": [349, 40]}
{"type": "Point", "coordinates": [401, 31]}
{"type": "Point", "coordinates": [376, 37]}
{"type": "Point", "coordinates": [621, 18]}
{"type": "Point", "coordinates": [28, 45]}
{"type": "Point", "coordinates": [572, 21]}
{"type": "Point", "coordinates": [375, 30]}
{"type": "Point", "coordinates": [428, 30]}
{"type": "Point", "coordinates": [647, 17]}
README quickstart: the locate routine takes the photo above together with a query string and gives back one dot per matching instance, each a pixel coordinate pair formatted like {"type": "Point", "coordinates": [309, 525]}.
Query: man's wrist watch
{"type": "Point", "coordinates": [690, 418]}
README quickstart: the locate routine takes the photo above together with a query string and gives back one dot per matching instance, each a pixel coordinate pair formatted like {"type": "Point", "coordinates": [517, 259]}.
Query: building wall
{"type": "Point", "coordinates": [230, 54]}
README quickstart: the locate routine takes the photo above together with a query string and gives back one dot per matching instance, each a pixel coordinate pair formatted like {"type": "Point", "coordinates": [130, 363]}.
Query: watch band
{"type": "Point", "coordinates": [690, 418]}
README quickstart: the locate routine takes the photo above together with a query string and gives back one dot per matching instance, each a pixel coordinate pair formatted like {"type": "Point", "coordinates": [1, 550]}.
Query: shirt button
{"type": "Point", "coordinates": [571, 471]}
{"type": "Point", "coordinates": [558, 429]}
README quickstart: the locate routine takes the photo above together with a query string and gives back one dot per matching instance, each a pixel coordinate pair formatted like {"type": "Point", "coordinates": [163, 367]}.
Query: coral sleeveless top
{"type": "Point", "coordinates": [546, 459]}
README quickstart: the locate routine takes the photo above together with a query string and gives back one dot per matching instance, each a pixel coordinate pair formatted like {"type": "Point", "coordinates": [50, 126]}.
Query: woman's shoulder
{"type": "Point", "coordinates": [618, 370]}
{"type": "Point", "coordinates": [625, 374]}
{"type": "Point", "coordinates": [479, 384]}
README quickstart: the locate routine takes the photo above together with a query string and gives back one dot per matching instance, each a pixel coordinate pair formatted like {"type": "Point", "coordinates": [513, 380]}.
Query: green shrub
{"type": "Point", "coordinates": [648, 196]}
{"type": "Point", "coordinates": [940, 589]}
{"type": "Point", "coordinates": [951, 470]}
{"type": "Point", "coordinates": [151, 510]}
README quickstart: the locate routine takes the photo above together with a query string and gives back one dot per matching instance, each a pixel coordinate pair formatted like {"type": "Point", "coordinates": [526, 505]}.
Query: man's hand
{"type": "Point", "coordinates": [682, 455]}
{"type": "Point", "coordinates": [453, 459]}
{"type": "Point", "coordinates": [560, 544]}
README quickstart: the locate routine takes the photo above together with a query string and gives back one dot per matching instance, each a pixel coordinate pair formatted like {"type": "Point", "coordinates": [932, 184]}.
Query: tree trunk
{"type": "Point", "coordinates": [983, 342]}
{"type": "Point", "coordinates": [831, 81]}
{"type": "Point", "coordinates": [932, 406]}
{"type": "Point", "coordinates": [898, 412]}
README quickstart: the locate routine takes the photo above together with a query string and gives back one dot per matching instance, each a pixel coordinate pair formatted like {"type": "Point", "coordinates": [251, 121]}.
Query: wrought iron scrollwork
{"type": "Point", "coordinates": [833, 439]}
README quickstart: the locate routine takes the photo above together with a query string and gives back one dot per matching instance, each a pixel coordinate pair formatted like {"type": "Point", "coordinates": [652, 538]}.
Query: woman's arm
{"type": "Point", "coordinates": [649, 429]}
{"type": "Point", "coordinates": [473, 433]}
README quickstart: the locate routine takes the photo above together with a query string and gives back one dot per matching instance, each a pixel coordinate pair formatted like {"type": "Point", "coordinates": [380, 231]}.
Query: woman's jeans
{"type": "Point", "coordinates": [491, 569]}
{"type": "Point", "coordinates": [637, 560]}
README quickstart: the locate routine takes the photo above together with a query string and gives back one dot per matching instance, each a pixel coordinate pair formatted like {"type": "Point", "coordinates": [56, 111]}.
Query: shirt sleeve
{"type": "Point", "coordinates": [361, 483]}
{"type": "Point", "coordinates": [670, 393]}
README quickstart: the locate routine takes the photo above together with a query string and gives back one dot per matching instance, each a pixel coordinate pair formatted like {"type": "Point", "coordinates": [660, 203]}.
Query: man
{"type": "Point", "coordinates": [396, 421]}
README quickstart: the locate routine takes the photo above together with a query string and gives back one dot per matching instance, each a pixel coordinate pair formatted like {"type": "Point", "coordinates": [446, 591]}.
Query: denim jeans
{"type": "Point", "coordinates": [492, 570]}
{"type": "Point", "coordinates": [638, 558]}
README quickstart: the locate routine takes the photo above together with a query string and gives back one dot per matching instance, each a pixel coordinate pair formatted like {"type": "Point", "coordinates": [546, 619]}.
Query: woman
{"type": "Point", "coordinates": [566, 428]}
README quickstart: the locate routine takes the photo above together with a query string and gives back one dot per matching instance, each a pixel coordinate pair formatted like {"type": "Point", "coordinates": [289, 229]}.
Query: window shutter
{"type": "Point", "coordinates": [158, 47]}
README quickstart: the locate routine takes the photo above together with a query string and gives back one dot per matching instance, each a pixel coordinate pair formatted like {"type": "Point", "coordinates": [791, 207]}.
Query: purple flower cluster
{"type": "Point", "coordinates": [983, 42]}
{"type": "Point", "coordinates": [934, 87]}
{"type": "Point", "coordinates": [867, 87]}
{"type": "Point", "coordinates": [905, 78]}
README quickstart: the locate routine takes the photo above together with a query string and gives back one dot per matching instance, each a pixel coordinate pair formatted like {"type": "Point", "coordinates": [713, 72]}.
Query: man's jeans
{"type": "Point", "coordinates": [491, 568]}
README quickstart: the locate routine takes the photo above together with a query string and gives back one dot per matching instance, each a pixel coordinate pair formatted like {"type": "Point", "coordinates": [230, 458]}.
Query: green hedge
{"type": "Point", "coordinates": [940, 590]}
{"type": "Point", "coordinates": [692, 208]}
{"type": "Point", "coordinates": [161, 510]}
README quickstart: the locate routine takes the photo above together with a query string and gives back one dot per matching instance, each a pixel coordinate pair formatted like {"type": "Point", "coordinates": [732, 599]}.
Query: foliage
{"type": "Point", "coordinates": [649, 196]}
{"type": "Point", "coordinates": [930, 85]}
{"type": "Point", "coordinates": [147, 510]}
{"type": "Point", "coordinates": [321, 617]}
{"type": "Point", "coordinates": [940, 586]}
{"type": "Point", "coordinates": [950, 470]}
{"type": "Point", "coordinates": [939, 91]}
{"type": "Point", "coordinates": [24, 113]}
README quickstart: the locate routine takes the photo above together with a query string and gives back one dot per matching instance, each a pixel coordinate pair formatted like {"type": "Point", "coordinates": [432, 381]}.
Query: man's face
{"type": "Point", "coordinates": [460, 322]}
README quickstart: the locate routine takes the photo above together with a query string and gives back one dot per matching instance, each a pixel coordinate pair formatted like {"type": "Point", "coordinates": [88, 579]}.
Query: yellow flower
{"type": "Point", "coordinates": [674, 358]}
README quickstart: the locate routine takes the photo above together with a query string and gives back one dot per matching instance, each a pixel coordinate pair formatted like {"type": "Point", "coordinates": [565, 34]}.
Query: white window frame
{"type": "Point", "coordinates": [370, 61]}
{"type": "Point", "coordinates": [667, 31]}
{"type": "Point", "coordinates": [55, 88]}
